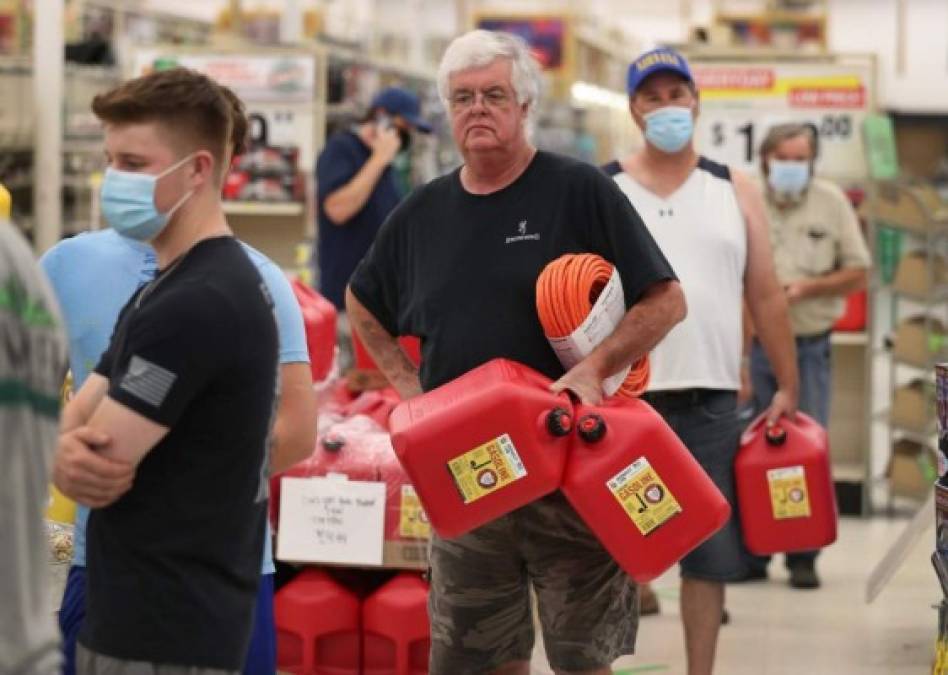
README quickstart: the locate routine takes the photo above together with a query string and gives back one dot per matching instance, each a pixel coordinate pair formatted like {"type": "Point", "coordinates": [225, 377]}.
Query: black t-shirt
{"type": "Point", "coordinates": [459, 270]}
{"type": "Point", "coordinates": [174, 564]}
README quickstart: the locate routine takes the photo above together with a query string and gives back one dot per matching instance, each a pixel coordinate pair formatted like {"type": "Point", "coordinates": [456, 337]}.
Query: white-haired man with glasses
{"type": "Point", "coordinates": [457, 264]}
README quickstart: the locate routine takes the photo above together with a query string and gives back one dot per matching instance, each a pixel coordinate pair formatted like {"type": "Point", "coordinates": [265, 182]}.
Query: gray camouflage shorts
{"type": "Point", "coordinates": [89, 662]}
{"type": "Point", "coordinates": [480, 607]}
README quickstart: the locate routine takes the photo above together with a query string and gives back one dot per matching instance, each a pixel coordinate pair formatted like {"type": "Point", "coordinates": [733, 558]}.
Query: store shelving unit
{"type": "Point", "coordinates": [82, 155]}
{"type": "Point", "coordinates": [915, 323]}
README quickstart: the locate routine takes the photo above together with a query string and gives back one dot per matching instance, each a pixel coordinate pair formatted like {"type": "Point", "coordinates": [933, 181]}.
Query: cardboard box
{"type": "Point", "coordinates": [913, 406]}
{"type": "Point", "coordinates": [914, 277]}
{"type": "Point", "coordinates": [909, 208]}
{"type": "Point", "coordinates": [920, 340]}
{"type": "Point", "coordinates": [911, 471]}
{"type": "Point", "coordinates": [405, 555]}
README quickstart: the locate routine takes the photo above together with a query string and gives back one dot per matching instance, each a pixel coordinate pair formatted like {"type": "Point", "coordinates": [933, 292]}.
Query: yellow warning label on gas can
{"type": "Point", "coordinates": [487, 468]}
{"type": "Point", "coordinates": [413, 521]}
{"type": "Point", "coordinates": [788, 494]}
{"type": "Point", "coordinates": [644, 496]}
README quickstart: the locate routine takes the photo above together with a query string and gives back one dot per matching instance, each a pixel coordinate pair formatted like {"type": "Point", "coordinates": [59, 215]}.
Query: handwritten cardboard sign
{"type": "Point", "coordinates": [327, 520]}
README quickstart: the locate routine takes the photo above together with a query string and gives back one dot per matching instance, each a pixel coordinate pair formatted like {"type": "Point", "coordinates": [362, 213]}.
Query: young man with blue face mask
{"type": "Point", "coordinates": [710, 223]}
{"type": "Point", "coordinates": [167, 440]}
{"type": "Point", "coordinates": [820, 257]}
{"type": "Point", "coordinates": [93, 276]}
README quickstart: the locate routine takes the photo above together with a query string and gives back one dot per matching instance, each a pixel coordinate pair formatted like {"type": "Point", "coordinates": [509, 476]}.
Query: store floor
{"type": "Point", "coordinates": [776, 630]}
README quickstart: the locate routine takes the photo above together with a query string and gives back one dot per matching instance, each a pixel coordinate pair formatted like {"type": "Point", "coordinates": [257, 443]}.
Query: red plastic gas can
{"type": "Point", "coordinates": [639, 489]}
{"type": "Point", "coordinates": [363, 361]}
{"type": "Point", "coordinates": [317, 622]}
{"type": "Point", "coordinates": [377, 404]}
{"type": "Point", "coordinates": [396, 636]}
{"type": "Point", "coordinates": [350, 448]}
{"type": "Point", "coordinates": [319, 319]}
{"type": "Point", "coordinates": [785, 487]}
{"type": "Point", "coordinates": [483, 445]}
{"type": "Point", "coordinates": [854, 315]}
{"type": "Point", "coordinates": [405, 519]}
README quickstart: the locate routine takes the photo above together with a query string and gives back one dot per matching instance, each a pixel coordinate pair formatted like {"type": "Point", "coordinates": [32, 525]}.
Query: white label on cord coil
{"type": "Point", "coordinates": [601, 322]}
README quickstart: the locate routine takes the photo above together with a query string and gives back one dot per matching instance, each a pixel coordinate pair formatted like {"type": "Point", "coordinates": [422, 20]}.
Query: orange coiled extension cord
{"type": "Point", "coordinates": [567, 289]}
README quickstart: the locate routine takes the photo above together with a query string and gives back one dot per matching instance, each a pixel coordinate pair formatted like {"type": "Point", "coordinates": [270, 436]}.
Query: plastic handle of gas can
{"type": "Point", "coordinates": [748, 436]}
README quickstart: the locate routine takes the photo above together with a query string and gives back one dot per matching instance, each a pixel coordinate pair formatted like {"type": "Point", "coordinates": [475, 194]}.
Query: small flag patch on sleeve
{"type": "Point", "coordinates": [147, 381]}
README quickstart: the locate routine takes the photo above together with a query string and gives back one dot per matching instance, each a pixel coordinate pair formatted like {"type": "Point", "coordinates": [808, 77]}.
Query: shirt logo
{"type": "Point", "coordinates": [522, 234]}
{"type": "Point", "coordinates": [147, 381]}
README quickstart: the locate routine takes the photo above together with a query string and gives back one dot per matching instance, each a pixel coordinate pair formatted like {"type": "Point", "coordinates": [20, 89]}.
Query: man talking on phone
{"type": "Point", "coordinates": [356, 190]}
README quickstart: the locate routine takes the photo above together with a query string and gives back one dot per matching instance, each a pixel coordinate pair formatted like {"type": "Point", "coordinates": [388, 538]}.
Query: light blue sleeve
{"type": "Point", "coordinates": [49, 261]}
{"type": "Point", "coordinates": [289, 318]}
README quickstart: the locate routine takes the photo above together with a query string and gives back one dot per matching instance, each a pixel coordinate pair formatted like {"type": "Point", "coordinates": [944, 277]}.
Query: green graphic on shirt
{"type": "Point", "coordinates": [31, 311]}
{"type": "Point", "coordinates": [15, 393]}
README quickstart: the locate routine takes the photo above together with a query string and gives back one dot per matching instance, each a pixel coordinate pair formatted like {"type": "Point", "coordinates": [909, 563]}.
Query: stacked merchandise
{"type": "Point", "coordinates": [265, 172]}
{"type": "Point", "coordinates": [940, 556]}
{"type": "Point", "coordinates": [340, 619]}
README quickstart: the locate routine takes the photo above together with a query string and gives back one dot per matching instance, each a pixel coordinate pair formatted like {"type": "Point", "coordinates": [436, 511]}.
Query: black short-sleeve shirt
{"type": "Point", "coordinates": [174, 564]}
{"type": "Point", "coordinates": [459, 270]}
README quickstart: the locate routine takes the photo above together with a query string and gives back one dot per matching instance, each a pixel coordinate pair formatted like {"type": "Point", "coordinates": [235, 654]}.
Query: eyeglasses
{"type": "Point", "coordinates": [495, 97]}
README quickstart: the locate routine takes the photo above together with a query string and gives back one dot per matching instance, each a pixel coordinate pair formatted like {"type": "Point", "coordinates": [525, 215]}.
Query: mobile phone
{"type": "Point", "coordinates": [384, 122]}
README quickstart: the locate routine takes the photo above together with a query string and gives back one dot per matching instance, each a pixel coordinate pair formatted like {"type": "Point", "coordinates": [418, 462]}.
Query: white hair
{"type": "Point", "coordinates": [479, 48]}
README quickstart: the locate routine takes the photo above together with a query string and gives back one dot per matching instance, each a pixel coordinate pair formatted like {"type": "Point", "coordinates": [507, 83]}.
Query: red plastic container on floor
{"type": "Point", "coordinates": [319, 319]}
{"type": "Point", "coordinates": [348, 449]}
{"type": "Point", "coordinates": [785, 486]}
{"type": "Point", "coordinates": [317, 622]}
{"type": "Point", "coordinates": [396, 636]}
{"type": "Point", "coordinates": [639, 489]}
{"type": "Point", "coordinates": [377, 404]}
{"type": "Point", "coordinates": [854, 316]}
{"type": "Point", "coordinates": [405, 519]}
{"type": "Point", "coordinates": [483, 445]}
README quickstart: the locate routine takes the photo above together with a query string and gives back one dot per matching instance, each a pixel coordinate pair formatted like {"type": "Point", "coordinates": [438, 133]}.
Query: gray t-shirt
{"type": "Point", "coordinates": [32, 365]}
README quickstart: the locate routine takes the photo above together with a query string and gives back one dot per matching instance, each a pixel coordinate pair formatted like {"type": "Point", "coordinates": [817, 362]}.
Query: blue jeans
{"type": "Point", "coordinates": [706, 422]}
{"type": "Point", "coordinates": [261, 658]}
{"type": "Point", "coordinates": [814, 363]}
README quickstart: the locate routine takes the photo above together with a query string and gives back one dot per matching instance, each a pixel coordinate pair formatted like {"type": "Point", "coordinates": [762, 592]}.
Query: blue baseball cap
{"type": "Point", "coordinates": [661, 60]}
{"type": "Point", "coordinates": [396, 101]}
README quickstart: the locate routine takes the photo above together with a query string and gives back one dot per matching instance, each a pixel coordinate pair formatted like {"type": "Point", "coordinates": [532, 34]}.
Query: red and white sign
{"type": "Point", "coordinates": [734, 78]}
{"type": "Point", "coordinates": [826, 97]}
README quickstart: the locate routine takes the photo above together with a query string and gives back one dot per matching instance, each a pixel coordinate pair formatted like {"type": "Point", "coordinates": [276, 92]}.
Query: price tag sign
{"type": "Point", "coordinates": [329, 520]}
{"type": "Point", "coordinates": [741, 101]}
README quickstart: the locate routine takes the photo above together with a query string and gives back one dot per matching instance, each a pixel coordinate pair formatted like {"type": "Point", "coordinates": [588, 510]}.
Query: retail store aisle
{"type": "Point", "coordinates": [776, 630]}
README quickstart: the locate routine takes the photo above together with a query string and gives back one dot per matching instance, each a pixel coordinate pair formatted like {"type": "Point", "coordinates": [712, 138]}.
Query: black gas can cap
{"type": "Point", "coordinates": [776, 435]}
{"type": "Point", "coordinates": [591, 428]}
{"type": "Point", "coordinates": [333, 443]}
{"type": "Point", "coordinates": [559, 422]}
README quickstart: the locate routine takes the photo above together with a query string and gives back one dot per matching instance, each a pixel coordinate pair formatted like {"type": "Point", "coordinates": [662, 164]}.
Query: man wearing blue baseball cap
{"type": "Point", "coordinates": [356, 190]}
{"type": "Point", "coordinates": [710, 223]}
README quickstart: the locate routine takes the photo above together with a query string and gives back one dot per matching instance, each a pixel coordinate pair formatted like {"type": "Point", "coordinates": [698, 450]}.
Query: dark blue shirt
{"type": "Point", "coordinates": [341, 247]}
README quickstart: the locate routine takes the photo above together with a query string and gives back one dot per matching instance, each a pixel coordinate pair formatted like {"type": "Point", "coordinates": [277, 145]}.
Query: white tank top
{"type": "Point", "coordinates": [701, 230]}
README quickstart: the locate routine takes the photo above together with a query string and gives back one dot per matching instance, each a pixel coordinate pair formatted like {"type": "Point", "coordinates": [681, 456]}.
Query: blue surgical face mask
{"type": "Point", "coordinates": [788, 178]}
{"type": "Point", "coordinates": [128, 202]}
{"type": "Point", "coordinates": [669, 129]}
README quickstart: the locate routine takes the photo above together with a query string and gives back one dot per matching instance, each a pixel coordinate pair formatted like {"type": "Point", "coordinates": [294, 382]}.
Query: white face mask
{"type": "Point", "coordinates": [788, 178]}
{"type": "Point", "coordinates": [128, 202]}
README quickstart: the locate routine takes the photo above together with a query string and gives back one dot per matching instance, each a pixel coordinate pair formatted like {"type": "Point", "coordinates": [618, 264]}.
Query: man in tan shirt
{"type": "Point", "coordinates": [820, 258]}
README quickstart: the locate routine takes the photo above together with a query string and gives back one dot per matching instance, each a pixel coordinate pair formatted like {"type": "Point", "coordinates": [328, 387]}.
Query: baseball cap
{"type": "Point", "coordinates": [657, 61]}
{"type": "Point", "coordinates": [396, 101]}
